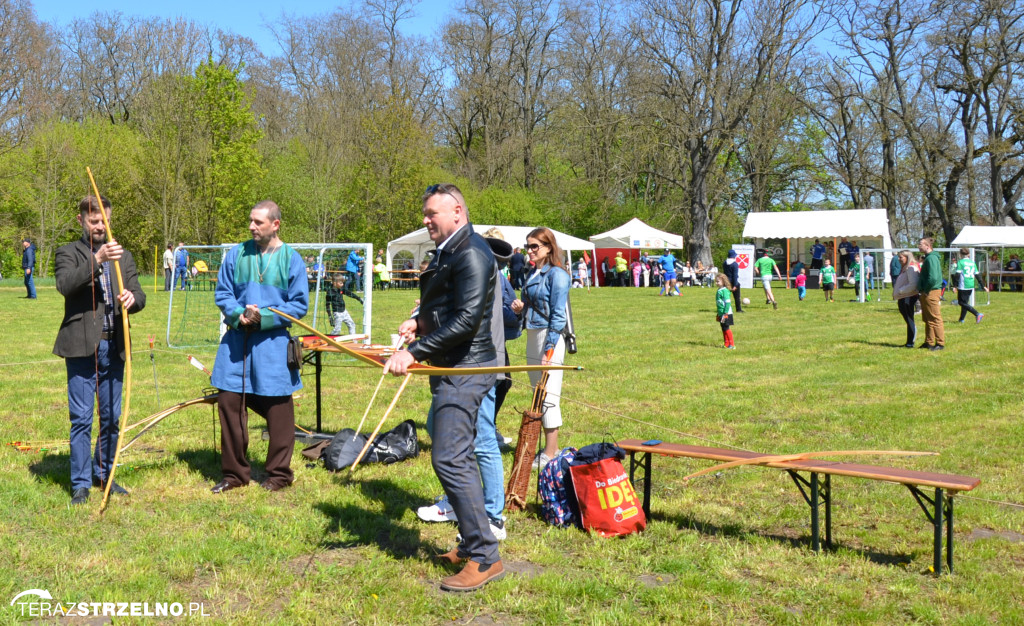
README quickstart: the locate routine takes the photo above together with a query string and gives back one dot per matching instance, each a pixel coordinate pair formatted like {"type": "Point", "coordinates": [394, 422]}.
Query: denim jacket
{"type": "Point", "coordinates": [546, 292]}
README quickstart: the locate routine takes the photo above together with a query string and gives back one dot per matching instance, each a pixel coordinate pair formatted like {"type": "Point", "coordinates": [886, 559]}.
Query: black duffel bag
{"type": "Point", "coordinates": [395, 445]}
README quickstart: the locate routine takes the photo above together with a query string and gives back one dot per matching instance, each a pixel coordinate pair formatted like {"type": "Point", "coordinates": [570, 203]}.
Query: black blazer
{"type": "Point", "coordinates": [77, 274]}
{"type": "Point", "coordinates": [456, 302]}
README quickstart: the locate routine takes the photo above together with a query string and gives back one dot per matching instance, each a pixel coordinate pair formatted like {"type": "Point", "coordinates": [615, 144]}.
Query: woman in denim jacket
{"type": "Point", "coordinates": [544, 299]}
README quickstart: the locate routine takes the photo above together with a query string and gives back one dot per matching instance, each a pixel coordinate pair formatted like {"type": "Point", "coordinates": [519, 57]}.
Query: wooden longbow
{"type": "Point", "coordinates": [781, 458]}
{"type": "Point", "coordinates": [376, 359]}
{"type": "Point", "coordinates": [127, 387]}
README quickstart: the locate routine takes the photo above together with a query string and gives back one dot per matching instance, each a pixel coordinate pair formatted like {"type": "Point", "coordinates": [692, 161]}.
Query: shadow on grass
{"type": "Point", "coordinates": [377, 528]}
{"type": "Point", "coordinates": [880, 344]}
{"type": "Point", "coordinates": [206, 462]}
{"type": "Point", "coordinates": [803, 542]}
{"type": "Point", "coordinates": [54, 469]}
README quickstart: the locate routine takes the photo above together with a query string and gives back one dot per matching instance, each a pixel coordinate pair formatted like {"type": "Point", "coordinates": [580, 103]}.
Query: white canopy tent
{"type": "Point", "coordinates": [636, 234]}
{"type": "Point", "coordinates": [991, 237]}
{"type": "Point", "coordinates": [809, 225]}
{"type": "Point", "coordinates": [418, 243]}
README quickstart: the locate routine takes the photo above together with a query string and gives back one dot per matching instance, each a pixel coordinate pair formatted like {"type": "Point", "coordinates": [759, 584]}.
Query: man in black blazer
{"type": "Point", "coordinates": [92, 342]}
{"type": "Point", "coordinates": [453, 326]}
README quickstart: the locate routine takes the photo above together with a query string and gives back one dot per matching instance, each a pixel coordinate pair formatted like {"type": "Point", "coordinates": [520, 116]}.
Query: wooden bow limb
{"type": "Point", "coordinates": [157, 417]}
{"type": "Point", "coordinates": [781, 458]}
{"type": "Point", "coordinates": [369, 442]}
{"type": "Point", "coordinates": [383, 375]}
{"type": "Point", "coordinates": [126, 394]}
{"type": "Point", "coordinates": [420, 368]}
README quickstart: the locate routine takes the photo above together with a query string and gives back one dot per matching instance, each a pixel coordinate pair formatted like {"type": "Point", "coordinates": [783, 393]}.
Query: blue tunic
{"type": "Point", "coordinates": [277, 280]}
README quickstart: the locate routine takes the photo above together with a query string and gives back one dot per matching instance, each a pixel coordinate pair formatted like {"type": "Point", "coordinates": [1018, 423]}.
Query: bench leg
{"type": "Point", "coordinates": [633, 463]}
{"type": "Point", "coordinates": [937, 534]}
{"type": "Point", "coordinates": [814, 494]}
{"type": "Point", "coordinates": [949, 533]}
{"type": "Point", "coordinates": [934, 509]}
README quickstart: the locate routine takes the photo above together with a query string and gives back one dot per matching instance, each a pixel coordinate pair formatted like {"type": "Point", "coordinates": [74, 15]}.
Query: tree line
{"type": "Point", "coordinates": [576, 114]}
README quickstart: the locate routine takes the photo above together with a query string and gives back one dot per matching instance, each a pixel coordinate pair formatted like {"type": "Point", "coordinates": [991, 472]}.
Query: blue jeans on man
{"type": "Point", "coordinates": [181, 273]}
{"type": "Point", "coordinates": [83, 373]}
{"type": "Point", "coordinates": [30, 285]}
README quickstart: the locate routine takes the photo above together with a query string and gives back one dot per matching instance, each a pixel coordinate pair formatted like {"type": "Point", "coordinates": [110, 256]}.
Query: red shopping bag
{"type": "Point", "coordinates": [608, 504]}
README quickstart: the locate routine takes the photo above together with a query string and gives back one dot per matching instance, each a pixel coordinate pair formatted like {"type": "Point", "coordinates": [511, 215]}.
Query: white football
{"type": "Point", "coordinates": [851, 281]}
{"type": "Point", "coordinates": [746, 300]}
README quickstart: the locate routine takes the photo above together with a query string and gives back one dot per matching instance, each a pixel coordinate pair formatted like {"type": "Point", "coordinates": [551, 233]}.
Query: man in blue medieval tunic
{"type": "Point", "coordinates": [252, 369]}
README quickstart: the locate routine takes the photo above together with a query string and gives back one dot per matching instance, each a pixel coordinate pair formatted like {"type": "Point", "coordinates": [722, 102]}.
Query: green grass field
{"type": "Point", "coordinates": [731, 548]}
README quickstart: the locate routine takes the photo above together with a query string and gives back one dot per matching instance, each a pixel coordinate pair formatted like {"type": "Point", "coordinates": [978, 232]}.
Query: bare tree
{"type": "Point", "coordinates": [707, 62]}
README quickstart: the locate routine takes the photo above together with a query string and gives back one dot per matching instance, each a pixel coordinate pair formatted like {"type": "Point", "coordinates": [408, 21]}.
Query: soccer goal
{"type": "Point", "coordinates": [194, 321]}
{"type": "Point", "coordinates": [876, 285]}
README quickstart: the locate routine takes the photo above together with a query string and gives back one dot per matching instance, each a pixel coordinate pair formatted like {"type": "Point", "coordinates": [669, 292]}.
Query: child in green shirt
{"type": "Point", "coordinates": [828, 281]}
{"type": "Point", "coordinates": [723, 307]}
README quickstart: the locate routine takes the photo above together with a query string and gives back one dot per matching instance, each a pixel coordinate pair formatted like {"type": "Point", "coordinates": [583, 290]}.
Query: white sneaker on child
{"type": "Point", "coordinates": [440, 511]}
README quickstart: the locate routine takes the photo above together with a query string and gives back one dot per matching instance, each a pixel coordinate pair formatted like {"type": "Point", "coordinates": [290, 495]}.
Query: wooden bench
{"type": "Point", "coordinates": [816, 490]}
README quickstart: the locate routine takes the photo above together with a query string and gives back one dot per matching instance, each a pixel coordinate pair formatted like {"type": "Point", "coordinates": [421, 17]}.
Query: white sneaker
{"type": "Point", "coordinates": [502, 439]}
{"type": "Point", "coordinates": [497, 528]}
{"type": "Point", "coordinates": [541, 461]}
{"type": "Point", "coordinates": [440, 511]}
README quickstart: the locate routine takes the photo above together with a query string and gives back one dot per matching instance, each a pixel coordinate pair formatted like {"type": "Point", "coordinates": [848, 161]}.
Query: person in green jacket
{"type": "Point", "coordinates": [929, 285]}
{"type": "Point", "coordinates": [965, 273]}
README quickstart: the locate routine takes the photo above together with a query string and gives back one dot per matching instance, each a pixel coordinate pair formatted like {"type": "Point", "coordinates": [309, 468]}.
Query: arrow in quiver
{"type": "Point", "coordinates": [529, 435]}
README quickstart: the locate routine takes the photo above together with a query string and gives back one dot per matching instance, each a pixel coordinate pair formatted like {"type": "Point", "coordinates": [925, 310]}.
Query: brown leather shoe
{"type": "Point", "coordinates": [271, 486]}
{"type": "Point", "coordinates": [473, 576]}
{"type": "Point", "coordinates": [223, 486]}
{"type": "Point", "coordinates": [452, 557]}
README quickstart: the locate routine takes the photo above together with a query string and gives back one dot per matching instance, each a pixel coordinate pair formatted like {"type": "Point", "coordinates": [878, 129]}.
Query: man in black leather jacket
{"type": "Point", "coordinates": [453, 327]}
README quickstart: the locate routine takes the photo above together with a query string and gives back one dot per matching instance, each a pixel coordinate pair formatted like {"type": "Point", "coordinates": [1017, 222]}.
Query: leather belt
{"type": "Point", "coordinates": [107, 335]}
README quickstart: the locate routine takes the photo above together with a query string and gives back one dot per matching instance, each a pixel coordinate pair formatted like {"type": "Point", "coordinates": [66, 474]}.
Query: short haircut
{"type": "Point", "coordinates": [273, 211]}
{"type": "Point", "coordinates": [965, 252]}
{"type": "Point", "coordinates": [442, 189]}
{"type": "Point", "coordinates": [929, 241]}
{"type": "Point", "coordinates": [88, 205]}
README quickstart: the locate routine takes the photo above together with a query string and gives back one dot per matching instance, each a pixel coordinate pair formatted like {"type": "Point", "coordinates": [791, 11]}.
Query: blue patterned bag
{"type": "Point", "coordinates": [555, 504]}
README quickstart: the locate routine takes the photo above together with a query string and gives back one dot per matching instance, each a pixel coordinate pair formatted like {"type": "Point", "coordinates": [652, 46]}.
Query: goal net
{"type": "Point", "coordinates": [194, 321]}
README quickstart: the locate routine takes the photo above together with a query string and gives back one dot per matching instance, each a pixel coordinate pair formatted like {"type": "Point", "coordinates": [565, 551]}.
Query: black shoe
{"type": "Point", "coordinates": [272, 486]}
{"type": "Point", "coordinates": [909, 345]}
{"type": "Point", "coordinates": [936, 348]}
{"type": "Point", "coordinates": [115, 488]}
{"type": "Point", "coordinates": [80, 496]}
{"type": "Point", "coordinates": [775, 305]}
{"type": "Point", "coordinates": [925, 346]}
{"type": "Point", "coordinates": [223, 486]}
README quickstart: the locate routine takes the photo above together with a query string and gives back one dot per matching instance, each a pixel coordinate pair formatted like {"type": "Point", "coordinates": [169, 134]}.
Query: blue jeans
{"type": "Point", "coordinates": [30, 285]}
{"type": "Point", "coordinates": [182, 273]}
{"type": "Point", "coordinates": [488, 455]}
{"type": "Point", "coordinates": [82, 375]}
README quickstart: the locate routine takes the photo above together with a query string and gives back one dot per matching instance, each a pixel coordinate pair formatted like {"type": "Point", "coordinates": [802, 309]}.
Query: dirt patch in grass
{"type": "Point", "coordinates": [522, 568]}
{"type": "Point", "coordinates": [655, 580]}
{"type": "Point", "coordinates": [342, 557]}
{"type": "Point", "coordinates": [985, 533]}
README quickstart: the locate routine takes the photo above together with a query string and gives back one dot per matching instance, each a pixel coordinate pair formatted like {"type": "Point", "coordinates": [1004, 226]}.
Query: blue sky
{"type": "Point", "coordinates": [243, 18]}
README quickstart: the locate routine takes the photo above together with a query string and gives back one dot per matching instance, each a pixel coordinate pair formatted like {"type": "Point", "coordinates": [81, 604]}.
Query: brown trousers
{"type": "Point", "coordinates": [279, 412]}
{"type": "Point", "coordinates": [931, 315]}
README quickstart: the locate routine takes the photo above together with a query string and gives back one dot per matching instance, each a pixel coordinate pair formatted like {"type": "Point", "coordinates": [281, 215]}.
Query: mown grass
{"type": "Point", "coordinates": [731, 548]}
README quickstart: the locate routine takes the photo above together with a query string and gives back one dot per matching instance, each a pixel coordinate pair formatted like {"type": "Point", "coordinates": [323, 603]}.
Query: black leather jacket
{"type": "Point", "coordinates": [456, 301]}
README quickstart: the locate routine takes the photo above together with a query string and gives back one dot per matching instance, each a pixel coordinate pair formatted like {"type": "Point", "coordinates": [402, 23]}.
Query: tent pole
{"type": "Point", "coordinates": [787, 263]}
